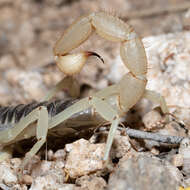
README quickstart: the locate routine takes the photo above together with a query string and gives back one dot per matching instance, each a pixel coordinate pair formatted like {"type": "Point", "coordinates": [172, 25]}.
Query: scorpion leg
{"type": "Point", "coordinates": [158, 99]}
{"type": "Point", "coordinates": [41, 134]}
{"type": "Point", "coordinates": [22, 130]}
{"type": "Point", "coordinates": [112, 116]}
{"type": "Point", "coordinates": [101, 107]}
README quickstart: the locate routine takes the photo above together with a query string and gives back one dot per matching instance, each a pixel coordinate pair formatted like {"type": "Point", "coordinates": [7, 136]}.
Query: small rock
{"type": "Point", "coordinates": [53, 170]}
{"type": "Point", "coordinates": [184, 151]}
{"type": "Point", "coordinates": [121, 146]}
{"type": "Point", "coordinates": [175, 173]}
{"type": "Point", "coordinates": [173, 128]}
{"type": "Point", "coordinates": [182, 114]}
{"type": "Point", "coordinates": [49, 183]}
{"type": "Point", "coordinates": [8, 175]}
{"type": "Point", "coordinates": [27, 179]}
{"type": "Point", "coordinates": [153, 120]}
{"type": "Point", "coordinates": [6, 62]}
{"type": "Point", "coordinates": [155, 151]}
{"type": "Point", "coordinates": [50, 155]}
{"type": "Point", "coordinates": [177, 160]}
{"type": "Point", "coordinates": [84, 158]}
{"type": "Point", "coordinates": [91, 183]}
{"type": "Point", "coordinates": [59, 155]}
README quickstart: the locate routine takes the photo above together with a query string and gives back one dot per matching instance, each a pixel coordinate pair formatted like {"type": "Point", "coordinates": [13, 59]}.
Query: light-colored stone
{"type": "Point", "coordinates": [27, 179]}
{"type": "Point", "coordinates": [142, 172]}
{"type": "Point", "coordinates": [153, 120]}
{"type": "Point", "coordinates": [91, 182]}
{"type": "Point", "coordinates": [184, 151]}
{"type": "Point", "coordinates": [59, 155]}
{"type": "Point", "coordinates": [177, 160]}
{"type": "Point", "coordinates": [55, 171]}
{"type": "Point", "coordinates": [121, 145]}
{"type": "Point", "coordinates": [49, 183]}
{"type": "Point", "coordinates": [84, 158]}
{"type": "Point", "coordinates": [8, 175]}
{"type": "Point", "coordinates": [173, 128]}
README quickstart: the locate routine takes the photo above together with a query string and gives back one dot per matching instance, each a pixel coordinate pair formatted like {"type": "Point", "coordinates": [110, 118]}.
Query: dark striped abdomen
{"type": "Point", "coordinates": [12, 114]}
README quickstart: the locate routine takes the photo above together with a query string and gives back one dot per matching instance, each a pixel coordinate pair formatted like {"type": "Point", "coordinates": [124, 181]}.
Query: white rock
{"type": "Point", "coordinates": [49, 183]}
{"type": "Point", "coordinates": [83, 158]}
{"type": "Point", "coordinates": [7, 174]}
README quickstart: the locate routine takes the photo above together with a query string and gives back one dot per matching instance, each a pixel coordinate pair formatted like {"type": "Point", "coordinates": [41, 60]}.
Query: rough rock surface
{"type": "Point", "coordinates": [141, 172]}
{"type": "Point", "coordinates": [90, 182]}
{"type": "Point", "coordinates": [84, 158]}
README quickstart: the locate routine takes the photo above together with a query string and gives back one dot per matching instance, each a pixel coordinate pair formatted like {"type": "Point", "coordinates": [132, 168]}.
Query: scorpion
{"type": "Point", "coordinates": [108, 104]}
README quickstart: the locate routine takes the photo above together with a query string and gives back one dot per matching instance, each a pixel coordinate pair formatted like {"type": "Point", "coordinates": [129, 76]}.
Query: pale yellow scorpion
{"type": "Point", "coordinates": [110, 103]}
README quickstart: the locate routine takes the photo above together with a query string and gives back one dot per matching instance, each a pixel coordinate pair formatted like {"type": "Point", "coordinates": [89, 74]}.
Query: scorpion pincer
{"type": "Point", "coordinates": [110, 103]}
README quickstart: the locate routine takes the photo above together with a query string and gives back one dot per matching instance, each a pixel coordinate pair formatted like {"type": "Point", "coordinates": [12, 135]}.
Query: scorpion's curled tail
{"type": "Point", "coordinates": [109, 27]}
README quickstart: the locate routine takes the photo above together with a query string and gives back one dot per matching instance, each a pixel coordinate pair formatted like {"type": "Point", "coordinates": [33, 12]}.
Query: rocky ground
{"type": "Point", "coordinates": [28, 32]}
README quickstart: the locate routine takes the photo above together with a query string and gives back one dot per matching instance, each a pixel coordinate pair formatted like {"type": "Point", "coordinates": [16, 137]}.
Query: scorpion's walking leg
{"type": "Point", "coordinates": [158, 99]}
{"type": "Point", "coordinates": [112, 116]}
{"type": "Point", "coordinates": [41, 134]}
{"type": "Point", "coordinates": [22, 130]}
{"type": "Point", "coordinates": [100, 107]}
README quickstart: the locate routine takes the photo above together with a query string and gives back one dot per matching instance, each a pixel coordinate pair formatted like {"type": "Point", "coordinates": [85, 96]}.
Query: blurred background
{"type": "Point", "coordinates": [29, 30]}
